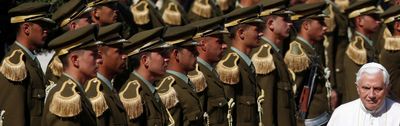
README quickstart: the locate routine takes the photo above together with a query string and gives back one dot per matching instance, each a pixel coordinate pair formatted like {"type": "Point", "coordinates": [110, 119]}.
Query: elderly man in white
{"type": "Point", "coordinates": [373, 108]}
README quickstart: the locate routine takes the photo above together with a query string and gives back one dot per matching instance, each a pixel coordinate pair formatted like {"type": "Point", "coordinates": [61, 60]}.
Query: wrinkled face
{"type": "Point", "coordinates": [370, 23]}
{"type": "Point", "coordinates": [214, 47]}
{"type": "Point", "coordinates": [251, 35]}
{"type": "Point", "coordinates": [36, 34]}
{"type": "Point", "coordinates": [281, 26]}
{"type": "Point", "coordinates": [187, 58]}
{"type": "Point", "coordinates": [114, 59]}
{"type": "Point", "coordinates": [316, 29]}
{"type": "Point", "coordinates": [372, 90]}
{"type": "Point", "coordinates": [157, 62]}
{"type": "Point", "coordinates": [88, 62]}
{"type": "Point", "coordinates": [107, 14]}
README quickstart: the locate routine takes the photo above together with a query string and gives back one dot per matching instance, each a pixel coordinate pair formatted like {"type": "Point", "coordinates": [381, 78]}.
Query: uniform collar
{"type": "Point", "coordinates": [179, 75]}
{"type": "Point", "coordinates": [271, 43]}
{"type": "Point", "coordinates": [105, 80]}
{"type": "Point", "coordinates": [148, 84]}
{"type": "Point", "coordinates": [201, 61]}
{"type": "Point", "coordinates": [26, 50]}
{"type": "Point", "coordinates": [73, 79]}
{"type": "Point", "coordinates": [305, 41]}
{"type": "Point", "coordinates": [242, 55]}
{"type": "Point", "coordinates": [369, 41]}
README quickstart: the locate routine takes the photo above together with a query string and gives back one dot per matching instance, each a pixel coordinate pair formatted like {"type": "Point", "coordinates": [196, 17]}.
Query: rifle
{"type": "Point", "coordinates": [308, 90]}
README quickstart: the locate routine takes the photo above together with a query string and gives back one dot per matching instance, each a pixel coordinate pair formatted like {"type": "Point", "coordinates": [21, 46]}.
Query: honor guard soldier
{"type": "Point", "coordinates": [100, 91]}
{"type": "Point", "coordinates": [390, 54]}
{"type": "Point", "coordinates": [273, 77]}
{"type": "Point", "coordinates": [22, 81]}
{"type": "Point", "coordinates": [236, 68]}
{"type": "Point", "coordinates": [67, 103]}
{"type": "Point", "coordinates": [138, 94]}
{"type": "Point", "coordinates": [312, 90]}
{"type": "Point", "coordinates": [70, 16]}
{"type": "Point", "coordinates": [177, 92]}
{"type": "Point", "coordinates": [205, 79]}
{"type": "Point", "coordinates": [105, 12]}
{"type": "Point", "coordinates": [364, 19]}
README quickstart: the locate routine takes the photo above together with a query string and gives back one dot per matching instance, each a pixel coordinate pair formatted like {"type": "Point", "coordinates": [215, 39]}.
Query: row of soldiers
{"type": "Point", "coordinates": [222, 66]}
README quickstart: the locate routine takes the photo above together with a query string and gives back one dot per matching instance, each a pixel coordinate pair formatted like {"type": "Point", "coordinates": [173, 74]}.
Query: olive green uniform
{"type": "Point", "coordinates": [21, 96]}
{"type": "Point", "coordinates": [142, 102]}
{"type": "Point", "coordinates": [319, 105]}
{"type": "Point", "coordinates": [181, 99]}
{"type": "Point", "coordinates": [215, 102]}
{"type": "Point", "coordinates": [278, 106]}
{"type": "Point", "coordinates": [110, 110]}
{"type": "Point", "coordinates": [243, 86]}
{"type": "Point", "coordinates": [353, 61]}
{"type": "Point", "coordinates": [68, 105]}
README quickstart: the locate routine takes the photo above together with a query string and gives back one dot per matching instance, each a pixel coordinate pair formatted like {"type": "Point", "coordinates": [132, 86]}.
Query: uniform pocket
{"type": "Point", "coordinates": [218, 109]}
{"type": "Point", "coordinates": [246, 108]}
{"type": "Point", "coordinates": [38, 96]}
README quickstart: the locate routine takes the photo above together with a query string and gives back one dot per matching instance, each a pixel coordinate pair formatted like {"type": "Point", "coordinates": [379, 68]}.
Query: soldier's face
{"type": "Point", "coordinates": [79, 23]}
{"type": "Point", "coordinates": [370, 23]}
{"type": "Point", "coordinates": [214, 47]}
{"type": "Point", "coordinates": [187, 58]}
{"type": "Point", "coordinates": [251, 35]}
{"type": "Point", "coordinates": [88, 62]}
{"type": "Point", "coordinates": [157, 62]}
{"type": "Point", "coordinates": [372, 90]}
{"type": "Point", "coordinates": [281, 26]}
{"type": "Point", "coordinates": [36, 34]}
{"type": "Point", "coordinates": [107, 14]}
{"type": "Point", "coordinates": [113, 59]}
{"type": "Point", "coordinates": [316, 29]}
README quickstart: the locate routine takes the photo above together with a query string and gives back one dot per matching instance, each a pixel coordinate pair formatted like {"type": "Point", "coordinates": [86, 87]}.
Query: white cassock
{"type": "Point", "coordinates": [355, 114]}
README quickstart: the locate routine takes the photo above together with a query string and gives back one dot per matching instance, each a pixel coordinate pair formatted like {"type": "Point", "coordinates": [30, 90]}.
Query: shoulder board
{"type": "Point", "coordinates": [198, 79]}
{"type": "Point", "coordinates": [96, 96]}
{"type": "Point", "coordinates": [66, 102]}
{"type": "Point", "coordinates": [167, 93]}
{"type": "Point", "coordinates": [131, 99]}
{"type": "Point", "coordinates": [202, 9]}
{"type": "Point", "coordinates": [172, 15]}
{"type": "Point", "coordinates": [356, 51]}
{"type": "Point", "coordinates": [391, 43]}
{"type": "Point", "coordinates": [141, 13]}
{"type": "Point", "coordinates": [56, 66]}
{"type": "Point", "coordinates": [296, 58]}
{"type": "Point", "coordinates": [228, 69]}
{"type": "Point", "coordinates": [263, 60]}
{"type": "Point", "coordinates": [330, 20]}
{"type": "Point", "coordinates": [13, 66]}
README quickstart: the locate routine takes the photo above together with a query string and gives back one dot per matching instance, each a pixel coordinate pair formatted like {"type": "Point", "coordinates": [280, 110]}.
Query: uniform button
{"type": "Point", "coordinates": [197, 118]}
{"type": "Point", "coordinates": [337, 70]}
{"type": "Point", "coordinates": [38, 95]}
{"type": "Point", "coordinates": [220, 104]}
{"type": "Point", "coordinates": [248, 102]}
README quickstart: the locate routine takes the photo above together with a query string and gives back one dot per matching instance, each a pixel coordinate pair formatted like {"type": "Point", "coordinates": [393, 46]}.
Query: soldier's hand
{"type": "Point", "coordinates": [334, 99]}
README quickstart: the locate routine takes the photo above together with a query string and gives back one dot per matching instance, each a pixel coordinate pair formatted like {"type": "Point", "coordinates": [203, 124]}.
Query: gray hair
{"type": "Point", "coordinates": [373, 68]}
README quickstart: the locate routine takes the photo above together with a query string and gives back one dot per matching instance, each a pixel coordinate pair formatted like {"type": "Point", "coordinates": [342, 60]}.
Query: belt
{"type": "Point", "coordinates": [318, 121]}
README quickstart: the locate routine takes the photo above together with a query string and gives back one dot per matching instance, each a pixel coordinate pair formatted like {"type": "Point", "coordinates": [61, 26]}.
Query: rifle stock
{"type": "Point", "coordinates": [305, 93]}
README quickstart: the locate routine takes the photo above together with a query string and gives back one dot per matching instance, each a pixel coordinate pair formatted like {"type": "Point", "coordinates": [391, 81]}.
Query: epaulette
{"type": "Point", "coordinates": [56, 66]}
{"type": "Point", "coordinates": [131, 99]}
{"type": "Point", "coordinates": [392, 43]}
{"type": "Point", "coordinates": [296, 58]}
{"type": "Point", "coordinates": [263, 60]}
{"type": "Point", "coordinates": [167, 93]}
{"type": "Point", "coordinates": [202, 8]}
{"type": "Point", "coordinates": [228, 69]}
{"type": "Point", "coordinates": [172, 15]}
{"type": "Point", "coordinates": [141, 13]}
{"type": "Point", "coordinates": [343, 4]}
{"type": "Point", "coordinates": [13, 66]}
{"type": "Point", "coordinates": [223, 4]}
{"type": "Point", "coordinates": [198, 79]}
{"type": "Point", "coordinates": [66, 102]}
{"type": "Point", "coordinates": [330, 20]}
{"type": "Point", "coordinates": [96, 96]}
{"type": "Point", "coordinates": [356, 51]}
